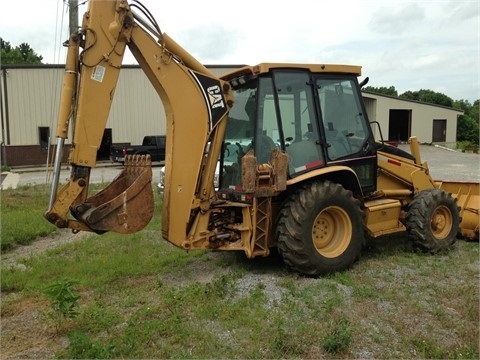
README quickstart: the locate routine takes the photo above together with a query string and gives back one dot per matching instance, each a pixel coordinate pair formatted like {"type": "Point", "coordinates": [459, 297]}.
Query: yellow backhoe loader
{"type": "Point", "coordinates": [300, 168]}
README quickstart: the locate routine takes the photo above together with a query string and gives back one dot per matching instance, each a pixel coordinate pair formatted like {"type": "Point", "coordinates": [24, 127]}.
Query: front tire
{"type": "Point", "coordinates": [433, 220]}
{"type": "Point", "coordinates": [320, 229]}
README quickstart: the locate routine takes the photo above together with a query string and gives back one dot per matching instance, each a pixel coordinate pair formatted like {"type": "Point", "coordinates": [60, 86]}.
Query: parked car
{"type": "Point", "coordinates": [153, 145]}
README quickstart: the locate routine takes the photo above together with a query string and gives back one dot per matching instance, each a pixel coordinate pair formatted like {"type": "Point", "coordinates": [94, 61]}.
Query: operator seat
{"type": "Point", "coordinates": [338, 144]}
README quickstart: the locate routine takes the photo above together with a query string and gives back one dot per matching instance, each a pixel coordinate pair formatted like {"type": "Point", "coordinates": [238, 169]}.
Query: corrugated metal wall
{"type": "Point", "coordinates": [136, 109]}
{"type": "Point", "coordinates": [33, 100]}
{"type": "Point", "coordinates": [371, 108]}
{"type": "Point", "coordinates": [32, 96]}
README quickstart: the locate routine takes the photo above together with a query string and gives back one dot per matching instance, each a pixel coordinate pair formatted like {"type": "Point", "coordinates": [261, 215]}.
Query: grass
{"type": "Point", "coordinates": [22, 210]}
{"type": "Point", "coordinates": [22, 216]}
{"type": "Point", "coordinates": [140, 297]}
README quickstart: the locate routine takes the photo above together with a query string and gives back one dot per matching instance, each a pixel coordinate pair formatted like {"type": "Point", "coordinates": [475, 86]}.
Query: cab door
{"type": "Point", "coordinates": [297, 120]}
{"type": "Point", "coordinates": [345, 129]}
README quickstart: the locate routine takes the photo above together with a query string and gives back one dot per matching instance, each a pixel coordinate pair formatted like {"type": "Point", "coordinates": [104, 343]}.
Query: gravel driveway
{"type": "Point", "coordinates": [446, 164]}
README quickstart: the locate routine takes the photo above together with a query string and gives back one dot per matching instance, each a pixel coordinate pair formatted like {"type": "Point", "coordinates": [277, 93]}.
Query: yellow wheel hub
{"type": "Point", "coordinates": [441, 222]}
{"type": "Point", "coordinates": [332, 231]}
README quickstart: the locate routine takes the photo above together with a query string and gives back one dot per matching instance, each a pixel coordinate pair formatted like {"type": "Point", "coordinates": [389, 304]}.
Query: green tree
{"type": "Point", "coordinates": [383, 90]}
{"type": "Point", "coordinates": [22, 54]}
{"type": "Point", "coordinates": [468, 125]}
{"type": "Point", "coordinates": [428, 96]}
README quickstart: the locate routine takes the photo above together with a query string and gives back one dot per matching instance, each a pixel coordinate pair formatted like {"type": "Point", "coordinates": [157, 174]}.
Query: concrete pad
{"type": "Point", "coordinates": [10, 181]}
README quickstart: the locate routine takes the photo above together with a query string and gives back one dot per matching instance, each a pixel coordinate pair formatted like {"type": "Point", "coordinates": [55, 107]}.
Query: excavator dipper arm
{"type": "Point", "coordinates": [196, 105]}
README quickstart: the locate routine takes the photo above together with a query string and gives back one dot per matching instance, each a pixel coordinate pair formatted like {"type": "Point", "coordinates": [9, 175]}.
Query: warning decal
{"type": "Point", "coordinates": [98, 73]}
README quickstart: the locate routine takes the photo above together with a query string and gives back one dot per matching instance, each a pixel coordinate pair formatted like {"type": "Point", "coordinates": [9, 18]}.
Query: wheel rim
{"type": "Point", "coordinates": [441, 222]}
{"type": "Point", "coordinates": [331, 231]}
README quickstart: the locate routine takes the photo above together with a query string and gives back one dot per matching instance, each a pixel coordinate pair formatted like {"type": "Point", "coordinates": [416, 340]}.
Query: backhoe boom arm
{"type": "Point", "coordinates": [196, 105]}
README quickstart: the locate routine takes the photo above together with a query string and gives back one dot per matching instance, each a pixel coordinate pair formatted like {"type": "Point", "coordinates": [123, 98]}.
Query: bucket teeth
{"type": "Point", "coordinates": [137, 160]}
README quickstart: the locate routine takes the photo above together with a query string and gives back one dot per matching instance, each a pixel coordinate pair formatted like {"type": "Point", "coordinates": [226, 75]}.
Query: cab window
{"type": "Point", "coordinates": [342, 117]}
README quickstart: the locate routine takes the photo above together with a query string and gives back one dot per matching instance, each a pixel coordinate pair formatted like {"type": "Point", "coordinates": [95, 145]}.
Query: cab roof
{"type": "Point", "coordinates": [261, 68]}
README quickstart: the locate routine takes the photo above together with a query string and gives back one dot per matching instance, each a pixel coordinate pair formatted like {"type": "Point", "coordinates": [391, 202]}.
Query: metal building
{"type": "Point", "coordinates": [400, 118]}
{"type": "Point", "coordinates": [29, 104]}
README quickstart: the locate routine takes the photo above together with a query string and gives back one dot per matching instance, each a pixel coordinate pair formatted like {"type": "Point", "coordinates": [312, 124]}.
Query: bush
{"type": "Point", "coordinates": [467, 146]}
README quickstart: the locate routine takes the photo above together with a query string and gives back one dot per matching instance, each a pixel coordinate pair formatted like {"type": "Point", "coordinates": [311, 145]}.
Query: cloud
{"type": "Point", "coordinates": [459, 11]}
{"type": "Point", "coordinates": [391, 21]}
{"type": "Point", "coordinates": [210, 43]}
{"type": "Point", "coordinates": [426, 61]}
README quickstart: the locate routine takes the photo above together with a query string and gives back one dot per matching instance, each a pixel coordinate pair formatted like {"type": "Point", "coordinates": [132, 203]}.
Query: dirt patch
{"type": "Point", "coordinates": [26, 330]}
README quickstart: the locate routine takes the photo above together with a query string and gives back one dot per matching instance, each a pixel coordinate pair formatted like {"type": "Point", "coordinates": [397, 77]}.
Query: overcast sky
{"type": "Point", "coordinates": [412, 45]}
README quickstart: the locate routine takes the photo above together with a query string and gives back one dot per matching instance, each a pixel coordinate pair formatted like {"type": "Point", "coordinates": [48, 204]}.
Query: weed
{"type": "Point", "coordinates": [289, 284]}
{"type": "Point", "coordinates": [339, 337]}
{"type": "Point", "coordinates": [365, 292]}
{"type": "Point", "coordinates": [82, 347]}
{"type": "Point", "coordinates": [220, 287]}
{"type": "Point", "coordinates": [64, 298]}
{"type": "Point", "coordinates": [332, 299]}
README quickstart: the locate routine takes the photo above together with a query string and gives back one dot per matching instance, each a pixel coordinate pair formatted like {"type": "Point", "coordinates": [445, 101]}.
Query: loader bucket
{"type": "Point", "coordinates": [126, 204]}
{"type": "Point", "coordinates": [468, 200]}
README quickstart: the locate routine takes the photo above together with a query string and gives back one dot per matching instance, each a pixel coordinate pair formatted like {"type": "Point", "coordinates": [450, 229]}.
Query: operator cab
{"type": "Point", "coordinates": [317, 118]}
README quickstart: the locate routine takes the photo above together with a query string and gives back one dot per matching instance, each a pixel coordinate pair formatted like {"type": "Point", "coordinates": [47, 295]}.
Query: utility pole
{"type": "Point", "coordinates": [73, 16]}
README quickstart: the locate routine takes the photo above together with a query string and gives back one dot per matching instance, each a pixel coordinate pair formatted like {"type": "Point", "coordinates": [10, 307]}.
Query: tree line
{"type": "Point", "coordinates": [21, 54]}
{"type": "Point", "coordinates": [468, 128]}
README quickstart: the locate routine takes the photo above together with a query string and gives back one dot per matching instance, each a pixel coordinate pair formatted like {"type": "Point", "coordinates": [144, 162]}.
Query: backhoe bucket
{"type": "Point", "coordinates": [468, 200]}
{"type": "Point", "coordinates": [125, 205]}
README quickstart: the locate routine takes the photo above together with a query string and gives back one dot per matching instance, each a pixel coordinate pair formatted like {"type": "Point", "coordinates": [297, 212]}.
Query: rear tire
{"type": "Point", "coordinates": [320, 229]}
{"type": "Point", "coordinates": [433, 220]}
